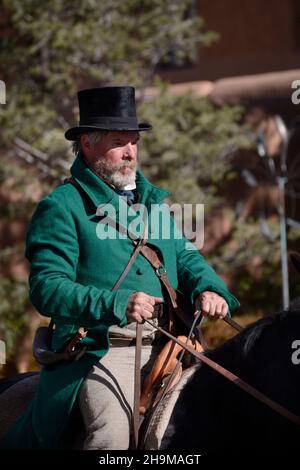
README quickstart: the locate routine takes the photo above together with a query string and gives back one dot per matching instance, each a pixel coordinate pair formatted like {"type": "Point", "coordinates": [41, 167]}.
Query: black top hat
{"type": "Point", "coordinates": [107, 108]}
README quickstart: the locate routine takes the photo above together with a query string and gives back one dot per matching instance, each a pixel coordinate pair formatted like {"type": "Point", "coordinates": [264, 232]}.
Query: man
{"type": "Point", "coordinates": [74, 269]}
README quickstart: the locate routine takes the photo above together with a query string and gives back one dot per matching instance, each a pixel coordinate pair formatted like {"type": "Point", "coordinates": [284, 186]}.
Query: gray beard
{"type": "Point", "coordinates": [112, 173]}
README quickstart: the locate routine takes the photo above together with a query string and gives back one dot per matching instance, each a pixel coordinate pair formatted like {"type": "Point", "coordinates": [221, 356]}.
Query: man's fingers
{"type": "Point", "coordinates": [224, 309]}
{"type": "Point", "coordinates": [157, 300]}
{"type": "Point", "coordinates": [205, 306]}
{"type": "Point", "coordinates": [141, 306]}
{"type": "Point", "coordinates": [138, 318]}
{"type": "Point", "coordinates": [149, 300]}
{"type": "Point", "coordinates": [148, 308]}
{"type": "Point", "coordinates": [147, 314]}
{"type": "Point", "coordinates": [219, 308]}
{"type": "Point", "coordinates": [212, 311]}
{"type": "Point", "coordinates": [213, 305]}
{"type": "Point", "coordinates": [134, 317]}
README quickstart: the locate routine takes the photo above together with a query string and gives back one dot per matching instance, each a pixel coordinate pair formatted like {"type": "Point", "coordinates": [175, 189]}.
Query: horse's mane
{"type": "Point", "coordinates": [254, 332]}
{"type": "Point", "coordinates": [243, 344]}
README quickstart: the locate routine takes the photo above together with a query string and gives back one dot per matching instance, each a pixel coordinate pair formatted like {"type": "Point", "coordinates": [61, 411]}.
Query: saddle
{"type": "Point", "coordinates": [161, 376]}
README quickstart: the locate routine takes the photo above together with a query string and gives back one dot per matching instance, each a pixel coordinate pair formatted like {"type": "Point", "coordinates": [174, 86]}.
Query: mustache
{"type": "Point", "coordinates": [107, 168]}
{"type": "Point", "coordinates": [132, 166]}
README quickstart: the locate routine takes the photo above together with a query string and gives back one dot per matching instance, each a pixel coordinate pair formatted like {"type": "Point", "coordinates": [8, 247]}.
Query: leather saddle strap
{"type": "Point", "coordinates": [177, 366]}
{"type": "Point", "coordinates": [136, 251]}
{"type": "Point", "coordinates": [154, 260]}
{"type": "Point", "coordinates": [137, 385]}
{"type": "Point", "coordinates": [161, 273]}
{"type": "Point", "coordinates": [173, 374]}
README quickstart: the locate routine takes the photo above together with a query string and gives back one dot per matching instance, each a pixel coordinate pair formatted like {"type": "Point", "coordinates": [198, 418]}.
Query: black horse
{"type": "Point", "coordinates": [213, 413]}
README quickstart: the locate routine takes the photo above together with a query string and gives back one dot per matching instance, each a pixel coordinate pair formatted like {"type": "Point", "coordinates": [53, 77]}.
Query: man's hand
{"type": "Point", "coordinates": [141, 307]}
{"type": "Point", "coordinates": [212, 305]}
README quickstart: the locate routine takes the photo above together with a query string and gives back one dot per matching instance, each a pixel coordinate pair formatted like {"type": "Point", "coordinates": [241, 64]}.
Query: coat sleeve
{"type": "Point", "coordinates": [52, 248]}
{"type": "Point", "coordinates": [195, 275]}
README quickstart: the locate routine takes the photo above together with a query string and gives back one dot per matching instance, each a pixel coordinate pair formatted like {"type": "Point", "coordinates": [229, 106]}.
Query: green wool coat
{"type": "Point", "coordinates": [73, 269]}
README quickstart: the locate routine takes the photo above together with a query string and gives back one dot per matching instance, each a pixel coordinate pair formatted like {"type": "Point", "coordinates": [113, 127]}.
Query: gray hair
{"type": "Point", "coordinates": [94, 138]}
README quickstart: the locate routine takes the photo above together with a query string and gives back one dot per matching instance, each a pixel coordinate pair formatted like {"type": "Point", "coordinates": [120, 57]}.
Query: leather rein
{"type": "Point", "coordinates": [229, 375]}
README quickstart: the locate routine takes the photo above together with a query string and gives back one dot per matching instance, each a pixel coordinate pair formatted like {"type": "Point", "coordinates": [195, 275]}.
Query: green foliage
{"type": "Point", "coordinates": [14, 300]}
{"type": "Point", "coordinates": [188, 148]}
{"type": "Point", "coordinates": [52, 48]}
{"type": "Point", "coordinates": [249, 244]}
{"type": "Point", "coordinates": [18, 182]}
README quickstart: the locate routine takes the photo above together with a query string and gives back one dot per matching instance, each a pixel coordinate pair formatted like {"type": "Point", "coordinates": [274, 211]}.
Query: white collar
{"type": "Point", "coordinates": [129, 187]}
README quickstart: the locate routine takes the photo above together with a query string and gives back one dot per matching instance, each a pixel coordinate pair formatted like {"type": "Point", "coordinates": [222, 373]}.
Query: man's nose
{"type": "Point", "coordinates": [129, 151]}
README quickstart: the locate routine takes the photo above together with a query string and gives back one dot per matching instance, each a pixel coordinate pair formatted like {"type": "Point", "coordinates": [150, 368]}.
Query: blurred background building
{"type": "Point", "coordinates": [255, 60]}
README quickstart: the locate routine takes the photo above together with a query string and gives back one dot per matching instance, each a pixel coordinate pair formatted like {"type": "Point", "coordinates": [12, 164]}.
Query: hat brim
{"type": "Point", "coordinates": [74, 132]}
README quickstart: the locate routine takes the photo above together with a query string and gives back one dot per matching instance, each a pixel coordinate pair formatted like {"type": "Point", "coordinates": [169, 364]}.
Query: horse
{"type": "Point", "coordinates": [213, 413]}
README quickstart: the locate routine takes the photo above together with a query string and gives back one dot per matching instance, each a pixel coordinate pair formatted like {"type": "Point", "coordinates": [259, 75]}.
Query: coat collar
{"type": "Point", "coordinates": [101, 193]}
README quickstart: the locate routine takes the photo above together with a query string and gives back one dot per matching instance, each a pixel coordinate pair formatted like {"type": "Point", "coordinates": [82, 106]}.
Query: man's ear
{"type": "Point", "coordinates": [85, 142]}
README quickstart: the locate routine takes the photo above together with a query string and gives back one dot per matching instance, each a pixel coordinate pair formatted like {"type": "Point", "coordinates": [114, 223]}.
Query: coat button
{"type": "Point", "coordinates": [139, 272]}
